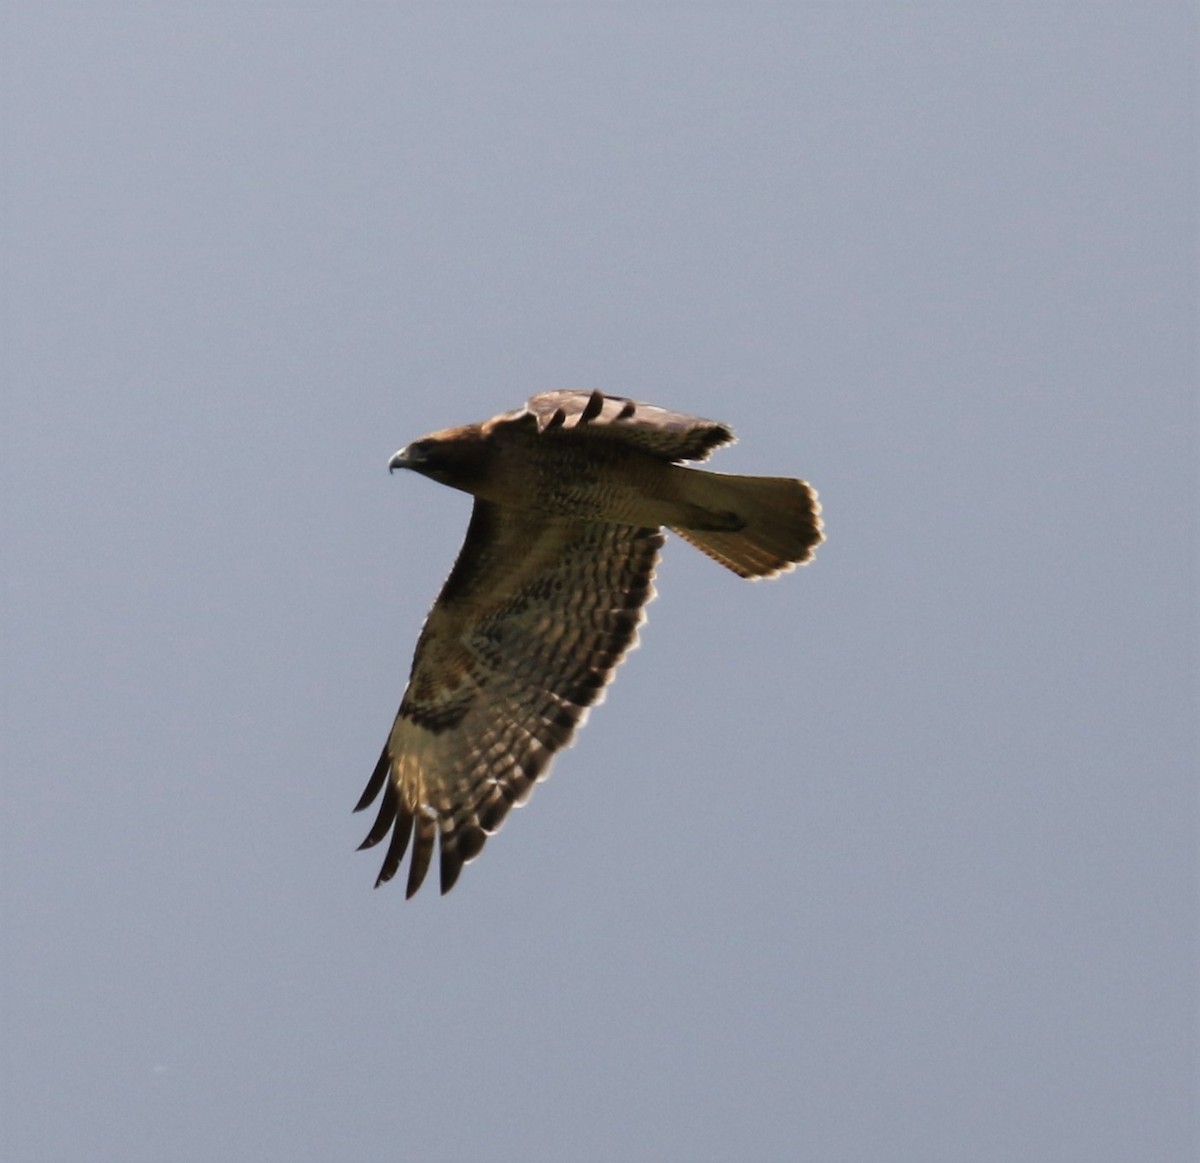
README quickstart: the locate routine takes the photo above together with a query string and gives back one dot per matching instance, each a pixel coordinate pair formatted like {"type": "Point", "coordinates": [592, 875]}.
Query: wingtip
{"type": "Point", "coordinates": [414, 883]}
{"type": "Point", "coordinates": [377, 780]}
{"type": "Point", "coordinates": [593, 407]}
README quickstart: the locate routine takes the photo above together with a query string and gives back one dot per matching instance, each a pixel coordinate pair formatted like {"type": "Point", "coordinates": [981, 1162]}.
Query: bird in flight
{"type": "Point", "coordinates": [572, 493]}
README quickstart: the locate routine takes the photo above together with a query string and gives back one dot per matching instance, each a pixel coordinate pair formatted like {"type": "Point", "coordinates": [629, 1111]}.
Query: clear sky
{"type": "Point", "coordinates": [891, 859]}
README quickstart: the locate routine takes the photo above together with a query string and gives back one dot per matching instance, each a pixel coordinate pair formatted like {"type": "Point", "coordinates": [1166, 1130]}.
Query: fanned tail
{"type": "Point", "coordinates": [770, 524]}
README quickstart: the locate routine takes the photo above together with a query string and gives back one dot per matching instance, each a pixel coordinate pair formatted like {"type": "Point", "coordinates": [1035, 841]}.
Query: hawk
{"type": "Point", "coordinates": [572, 493]}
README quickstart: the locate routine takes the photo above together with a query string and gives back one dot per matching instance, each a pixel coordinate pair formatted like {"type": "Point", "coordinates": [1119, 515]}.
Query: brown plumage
{"type": "Point", "coordinates": [571, 496]}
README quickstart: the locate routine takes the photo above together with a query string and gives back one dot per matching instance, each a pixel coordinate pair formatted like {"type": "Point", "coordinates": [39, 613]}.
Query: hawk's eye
{"type": "Point", "coordinates": [427, 454]}
{"type": "Point", "coordinates": [434, 458]}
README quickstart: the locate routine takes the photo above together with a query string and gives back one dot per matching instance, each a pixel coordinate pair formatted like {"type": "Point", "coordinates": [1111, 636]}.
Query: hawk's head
{"type": "Point", "coordinates": [456, 457]}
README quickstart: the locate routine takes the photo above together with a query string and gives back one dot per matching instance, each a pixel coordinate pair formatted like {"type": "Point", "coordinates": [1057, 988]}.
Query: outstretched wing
{"type": "Point", "coordinates": [673, 436]}
{"type": "Point", "coordinates": [529, 627]}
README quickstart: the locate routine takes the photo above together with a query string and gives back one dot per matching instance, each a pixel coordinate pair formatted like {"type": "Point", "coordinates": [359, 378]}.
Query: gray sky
{"type": "Point", "coordinates": [891, 859]}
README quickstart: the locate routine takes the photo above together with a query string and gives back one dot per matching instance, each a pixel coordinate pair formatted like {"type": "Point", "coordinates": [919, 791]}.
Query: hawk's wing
{"type": "Point", "coordinates": [673, 436]}
{"type": "Point", "coordinates": [530, 625]}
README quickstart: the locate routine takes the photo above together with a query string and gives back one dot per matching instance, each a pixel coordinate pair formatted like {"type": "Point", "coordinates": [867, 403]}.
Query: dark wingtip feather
{"type": "Point", "coordinates": [377, 780]}
{"type": "Point", "coordinates": [450, 867]}
{"type": "Point", "coordinates": [398, 846]}
{"type": "Point", "coordinates": [593, 407]}
{"type": "Point", "coordinates": [458, 848]}
{"type": "Point", "coordinates": [424, 834]}
{"type": "Point", "coordinates": [383, 821]}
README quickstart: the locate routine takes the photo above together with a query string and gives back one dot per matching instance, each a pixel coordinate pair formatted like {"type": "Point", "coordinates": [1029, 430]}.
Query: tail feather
{"type": "Point", "coordinates": [779, 521]}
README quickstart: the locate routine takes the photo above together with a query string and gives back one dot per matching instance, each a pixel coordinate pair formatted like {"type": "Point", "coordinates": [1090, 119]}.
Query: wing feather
{"type": "Point", "coordinates": [529, 627]}
{"type": "Point", "coordinates": [674, 436]}
{"type": "Point", "coordinates": [375, 784]}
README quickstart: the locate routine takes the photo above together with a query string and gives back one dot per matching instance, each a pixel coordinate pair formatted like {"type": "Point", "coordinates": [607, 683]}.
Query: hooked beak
{"type": "Point", "coordinates": [402, 459]}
